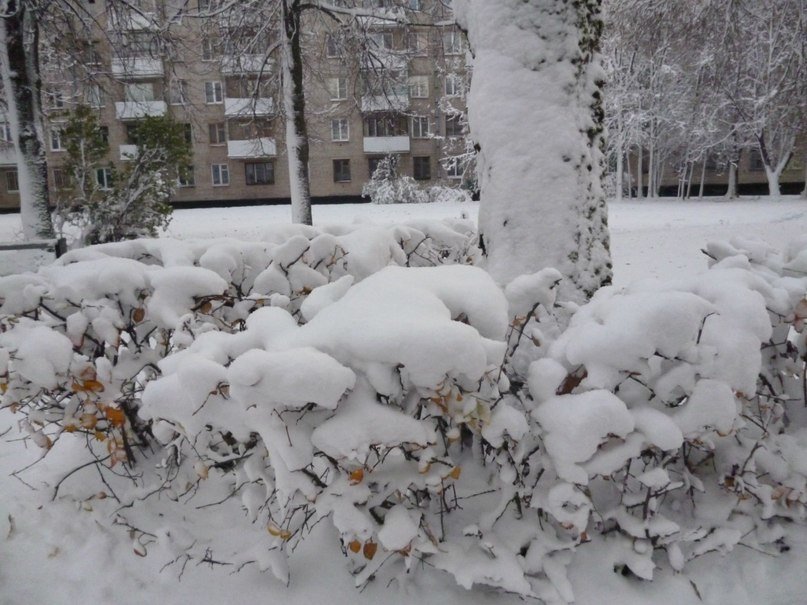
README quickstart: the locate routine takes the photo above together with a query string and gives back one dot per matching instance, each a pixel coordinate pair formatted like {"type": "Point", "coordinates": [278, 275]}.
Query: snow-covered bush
{"type": "Point", "coordinates": [81, 338]}
{"type": "Point", "coordinates": [432, 419]}
{"type": "Point", "coordinates": [387, 186]}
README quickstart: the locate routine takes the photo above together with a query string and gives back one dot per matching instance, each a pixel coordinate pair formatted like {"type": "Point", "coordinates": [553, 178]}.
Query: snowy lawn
{"type": "Point", "coordinates": [60, 553]}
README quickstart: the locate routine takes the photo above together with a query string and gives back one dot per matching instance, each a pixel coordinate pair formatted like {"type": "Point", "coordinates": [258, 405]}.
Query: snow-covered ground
{"type": "Point", "coordinates": [61, 552]}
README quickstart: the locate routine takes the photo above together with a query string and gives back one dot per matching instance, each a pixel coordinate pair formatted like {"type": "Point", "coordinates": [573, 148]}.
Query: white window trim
{"type": "Point", "coordinates": [419, 87]}
{"type": "Point", "coordinates": [220, 99]}
{"type": "Point", "coordinates": [428, 133]}
{"type": "Point", "coordinates": [341, 92]}
{"type": "Point", "coordinates": [346, 137]}
{"type": "Point", "coordinates": [221, 182]}
{"type": "Point", "coordinates": [105, 186]}
{"type": "Point", "coordinates": [56, 131]}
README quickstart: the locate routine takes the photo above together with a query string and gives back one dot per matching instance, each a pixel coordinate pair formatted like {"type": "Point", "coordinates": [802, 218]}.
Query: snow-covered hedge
{"type": "Point", "coordinates": [368, 379]}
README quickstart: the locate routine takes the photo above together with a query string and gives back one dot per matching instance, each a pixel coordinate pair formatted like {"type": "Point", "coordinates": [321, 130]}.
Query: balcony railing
{"type": "Point", "coordinates": [245, 64]}
{"type": "Point", "coordinates": [236, 107]}
{"type": "Point", "coordinates": [137, 67]}
{"type": "Point", "coordinates": [262, 147]}
{"type": "Point", "coordinates": [385, 145]}
{"type": "Point", "coordinates": [135, 110]}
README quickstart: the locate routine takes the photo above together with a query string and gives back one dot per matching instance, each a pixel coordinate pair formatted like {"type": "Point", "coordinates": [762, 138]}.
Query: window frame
{"type": "Point", "coordinates": [341, 168]}
{"type": "Point", "coordinates": [214, 87]}
{"type": "Point", "coordinates": [12, 175]}
{"type": "Point", "coordinates": [104, 184]}
{"type": "Point", "coordinates": [344, 133]}
{"type": "Point", "coordinates": [417, 162]}
{"type": "Point", "coordinates": [220, 128]}
{"type": "Point", "coordinates": [252, 180]}
{"type": "Point", "coordinates": [220, 172]}
{"type": "Point", "coordinates": [417, 131]}
{"type": "Point", "coordinates": [340, 89]}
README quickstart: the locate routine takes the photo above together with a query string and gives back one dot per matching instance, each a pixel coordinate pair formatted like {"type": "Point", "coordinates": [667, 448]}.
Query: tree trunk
{"type": "Point", "coordinates": [651, 191]}
{"type": "Point", "coordinates": [640, 173]}
{"type": "Point", "coordinates": [703, 179]}
{"type": "Point", "coordinates": [542, 205]}
{"type": "Point", "coordinates": [297, 145]}
{"type": "Point", "coordinates": [19, 64]}
{"type": "Point", "coordinates": [620, 182]}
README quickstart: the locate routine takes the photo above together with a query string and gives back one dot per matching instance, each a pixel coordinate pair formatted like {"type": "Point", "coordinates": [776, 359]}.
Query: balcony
{"type": "Point", "coordinates": [246, 64]}
{"type": "Point", "coordinates": [237, 107]}
{"type": "Point", "coordinates": [251, 148]}
{"type": "Point", "coordinates": [386, 145]}
{"type": "Point", "coordinates": [135, 110]}
{"type": "Point", "coordinates": [388, 102]}
{"type": "Point", "coordinates": [137, 68]}
{"type": "Point", "coordinates": [128, 152]}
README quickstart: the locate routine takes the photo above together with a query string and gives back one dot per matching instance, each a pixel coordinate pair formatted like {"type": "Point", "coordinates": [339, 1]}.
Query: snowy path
{"type": "Point", "coordinates": [60, 555]}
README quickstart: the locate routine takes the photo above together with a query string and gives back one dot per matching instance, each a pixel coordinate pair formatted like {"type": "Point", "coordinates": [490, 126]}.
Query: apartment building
{"type": "Point", "coordinates": [383, 85]}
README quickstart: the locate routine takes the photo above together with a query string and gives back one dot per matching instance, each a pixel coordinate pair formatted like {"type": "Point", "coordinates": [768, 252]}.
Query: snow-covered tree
{"type": "Point", "coordinates": [535, 110]}
{"type": "Point", "coordinates": [22, 85]}
{"type": "Point", "coordinates": [111, 203]}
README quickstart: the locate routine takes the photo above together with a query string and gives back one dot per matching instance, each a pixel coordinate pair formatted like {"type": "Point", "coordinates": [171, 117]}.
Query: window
{"type": "Point", "coordinates": [56, 99]}
{"type": "Point", "coordinates": [381, 40]}
{"type": "Point", "coordinates": [341, 171]}
{"type": "Point", "coordinates": [414, 5]}
{"type": "Point", "coordinates": [452, 42]}
{"type": "Point", "coordinates": [420, 127]}
{"type": "Point", "coordinates": [61, 179]}
{"type": "Point", "coordinates": [132, 137]}
{"type": "Point", "coordinates": [221, 174]}
{"type": "Point", "coordinates": [384, 126]}
{"type": "Point", "coordinates": [210, 48]}
{"type": "Point", "coordinates": [12, 181]}
{"type": "Point", "coordinates": [454, 168]}
{"type": "Point", "coordinates": [454, 87]}
{"type": "Point", "coordinates": [94, 96]}
{"type": "Point", "coordinates": [340, 130]}
{"type": "Point", "coordinates": [332, 49]}
{"type": "Point", "coordinates": [454, 126]}
{"type": "Point", "coordinates": [422, 168]}
{"type": "Point", "coordinates": [337, 87]}
{"type": "Point", "coordinates": [217, 133]}
{"type": "Point", "coordinates": [137, 92]}
{"type": "Point", "coordinates": [56, 139]}
{"type": "Point", "coordinates": [91, 54]}
{"type": "Point", "coordinates": [188, 132]}
{"type": "Point", "coordinates": [213, 93]}
{"type": "Point", "coordinates": [419, 87]}
{"type": "Point", "coordinates": [103, 176]}
{"type": "Point", "coordinates": [103, 132]}
{"type": "Point", "coordinates": [177, 92]}
{"type": "Point", "coordinates": [415, 43]}
{"type": "Point", "coordinates": [185, 177]}
{"type": "Point", "coordinates": [5, 132]}
{"type": "Point", "coordinates": [260, 173]}
{"type": "Point", "coordinates": [755, 163]}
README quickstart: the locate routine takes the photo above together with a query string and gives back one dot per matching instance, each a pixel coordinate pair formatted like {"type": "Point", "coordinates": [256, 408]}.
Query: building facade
{"type": "Point", "coordinates": [391, 80]}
